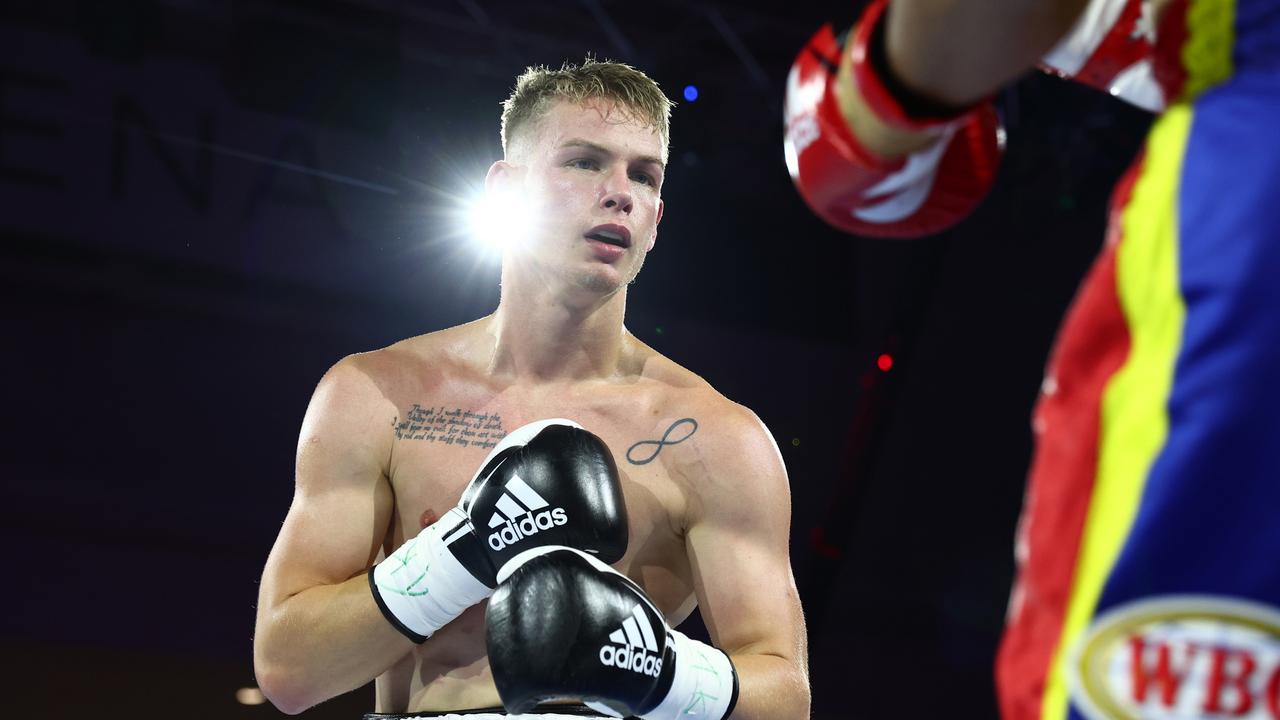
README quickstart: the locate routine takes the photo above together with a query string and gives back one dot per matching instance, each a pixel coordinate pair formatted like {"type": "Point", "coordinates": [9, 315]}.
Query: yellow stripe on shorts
{"type": "Point", "coordinates": [1134, 414]}
{"type": "Point", "coordinates": [1206, 53]}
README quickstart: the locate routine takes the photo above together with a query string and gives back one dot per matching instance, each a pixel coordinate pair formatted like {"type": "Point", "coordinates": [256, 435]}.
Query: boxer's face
{"type": "Point", "coordinates": [591, 178]}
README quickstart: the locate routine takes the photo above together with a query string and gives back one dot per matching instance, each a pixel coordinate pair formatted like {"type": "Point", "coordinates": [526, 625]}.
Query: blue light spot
{"type": "Point", "coordinates": [690, 92]}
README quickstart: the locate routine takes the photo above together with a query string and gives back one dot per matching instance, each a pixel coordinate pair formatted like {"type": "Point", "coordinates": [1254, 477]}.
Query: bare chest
{"type": "Point", "coordinates": [439, 447]}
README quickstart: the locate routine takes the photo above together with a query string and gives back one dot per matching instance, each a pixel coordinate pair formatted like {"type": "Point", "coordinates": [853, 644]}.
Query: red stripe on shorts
{"type": "Point", "coordinates": [1092, 345]}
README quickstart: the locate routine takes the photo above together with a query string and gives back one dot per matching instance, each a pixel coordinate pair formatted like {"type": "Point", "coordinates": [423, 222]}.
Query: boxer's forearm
{"type": "Point", "coordinates": [770, 687]}
{"type": "Point", "coordinates": [322, 642]}
{"type": "Point", "coordinates": [955, 53]}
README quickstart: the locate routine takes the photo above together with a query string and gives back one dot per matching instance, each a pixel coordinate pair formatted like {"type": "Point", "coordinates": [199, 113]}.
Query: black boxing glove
{"type": "Point", "coordinates": [562, 625]}
{"type": "Point", "coordinates": [547, 483]}
{"type": "Point", "coordinates": [559, 488]}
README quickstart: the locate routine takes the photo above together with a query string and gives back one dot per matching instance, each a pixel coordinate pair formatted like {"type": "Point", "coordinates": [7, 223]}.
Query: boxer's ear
{"type": "Point", "coordinates": [503, 177]}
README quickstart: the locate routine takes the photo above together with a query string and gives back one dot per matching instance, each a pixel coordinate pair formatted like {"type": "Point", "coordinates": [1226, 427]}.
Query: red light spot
{"type": "Point", "coordinates": [884, 362]}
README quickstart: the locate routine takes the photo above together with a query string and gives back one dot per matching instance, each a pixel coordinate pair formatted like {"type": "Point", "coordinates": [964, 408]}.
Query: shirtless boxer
{"type": "Point", "coordinates": [392, 437]}
{"type": "Point", "coordinates": [1148, 585]}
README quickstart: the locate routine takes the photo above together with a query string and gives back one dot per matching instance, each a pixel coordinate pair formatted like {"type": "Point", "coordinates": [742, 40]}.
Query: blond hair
{"type": "Point", "coordinates": [538, 87]}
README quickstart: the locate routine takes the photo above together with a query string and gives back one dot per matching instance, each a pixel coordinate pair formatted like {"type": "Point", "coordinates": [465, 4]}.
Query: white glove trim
{"type": "Point", "coordinates": [704, 686]}
{"type": "Point", "coordinates": [422, 585]}
{"type": "Point", "coordinates": [525, 556]}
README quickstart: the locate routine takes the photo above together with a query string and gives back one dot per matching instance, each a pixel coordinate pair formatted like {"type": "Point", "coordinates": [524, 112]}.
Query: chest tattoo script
{"type": "Point", "coordinates": [645, 451]}
{"type": "Point", "coordinates": [451, 426]}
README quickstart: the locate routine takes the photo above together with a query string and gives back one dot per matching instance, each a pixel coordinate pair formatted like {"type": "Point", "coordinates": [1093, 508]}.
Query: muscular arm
{"type": "Point", "coordinates": [737, 541]}
{"type": "Point", "coordinates": [319, 632]}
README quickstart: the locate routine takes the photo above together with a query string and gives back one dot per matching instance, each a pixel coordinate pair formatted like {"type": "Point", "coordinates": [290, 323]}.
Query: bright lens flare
{"type": "Point", "coordinates": [498, 221]}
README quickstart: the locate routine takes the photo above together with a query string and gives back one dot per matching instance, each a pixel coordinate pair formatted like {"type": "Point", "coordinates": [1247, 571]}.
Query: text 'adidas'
{"type": "Point", "coordinates": [635, 638]}
{"type": "Point", "coordinates": [519, 520]}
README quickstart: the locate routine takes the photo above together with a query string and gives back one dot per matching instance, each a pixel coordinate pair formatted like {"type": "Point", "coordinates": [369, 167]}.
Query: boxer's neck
{"type": "Point", "coordinates": [543, 338]}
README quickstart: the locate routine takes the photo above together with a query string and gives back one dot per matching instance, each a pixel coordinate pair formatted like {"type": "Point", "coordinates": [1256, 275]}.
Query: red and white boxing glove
{"type": "Point", "coordinates": [858, 190]}
{"type": "Point", "coordinates": [1111, 47]}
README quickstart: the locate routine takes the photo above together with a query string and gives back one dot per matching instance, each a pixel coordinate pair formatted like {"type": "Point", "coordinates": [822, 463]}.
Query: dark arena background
{"type": "Point", "coordinates": [207, 204]}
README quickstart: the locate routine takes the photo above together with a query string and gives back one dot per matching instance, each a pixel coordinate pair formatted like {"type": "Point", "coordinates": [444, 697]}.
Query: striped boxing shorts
{"type": "Point", "coordinates": [1149, 545]}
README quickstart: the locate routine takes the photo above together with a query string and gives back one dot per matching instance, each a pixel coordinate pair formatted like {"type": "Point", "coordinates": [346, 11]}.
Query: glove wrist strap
{"type": "Point", "coordinates": [704, 685]}
{"type": "Point", "coordinates": [421, 586]}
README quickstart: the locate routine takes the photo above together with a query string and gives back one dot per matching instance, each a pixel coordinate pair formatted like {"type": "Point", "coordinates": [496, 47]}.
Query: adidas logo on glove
{"type": "Point", "coordinates": [636, 637]}
{"type": "Point", "coordinates": [519, 520]}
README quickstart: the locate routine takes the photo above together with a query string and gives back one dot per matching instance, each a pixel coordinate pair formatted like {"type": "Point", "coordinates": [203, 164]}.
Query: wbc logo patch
{"type": "Point", "coordinates": [521, 512]}
{"type": "Point", "coordinates": [1180, 657]}
{"type": "Point", "coordinates": [631, 646]}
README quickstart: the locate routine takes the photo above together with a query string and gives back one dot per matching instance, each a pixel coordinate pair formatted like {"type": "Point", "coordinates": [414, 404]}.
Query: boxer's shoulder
{"type": "Point", "coordinates": [731, 468]}
{"type": "Point", "coordinates": [678, 391]}
{"type": "Point", "coordinates": [653, 366]}
{"type": "Point", "coordinates": [433, 356]}
{"type": "Point", "coordinates": [347, 411]}
{"type": "Point", "coordinates": [428, 365]}
{"type": "Point", "coordinates": [705, 434]}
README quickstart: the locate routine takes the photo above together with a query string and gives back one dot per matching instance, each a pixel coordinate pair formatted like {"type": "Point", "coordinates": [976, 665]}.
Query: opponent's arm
{"type": "Point", "coordinates": [889, 131]}
{"type": "Point", "coordinates": [863, 159]}
{"type": "Point", "coordinates": [319, 632]}
{"type": "Point", "coordinates": [737, 542]}
{"type": "Point", "coordinates": [955, 53]}
{"type": "Point", "coordinates": [947, 54]}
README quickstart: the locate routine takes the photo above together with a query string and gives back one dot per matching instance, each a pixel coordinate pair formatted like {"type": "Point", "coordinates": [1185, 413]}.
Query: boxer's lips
{"type": "Point", "coordinates": [610, 235]}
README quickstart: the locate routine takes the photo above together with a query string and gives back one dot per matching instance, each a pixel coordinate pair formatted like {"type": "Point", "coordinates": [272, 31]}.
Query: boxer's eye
{"type": "Point", "coordinates": [584, 164]}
